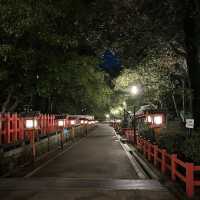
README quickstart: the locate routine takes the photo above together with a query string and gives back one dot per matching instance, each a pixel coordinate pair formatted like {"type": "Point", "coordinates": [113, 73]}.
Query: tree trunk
{"type": "Point", "coordinates": [14, 106]}
{"type": "Point", "coordinates": [6, 102]}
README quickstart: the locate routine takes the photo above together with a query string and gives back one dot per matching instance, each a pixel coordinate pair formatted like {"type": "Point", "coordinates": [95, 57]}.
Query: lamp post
{"type": "Point", "coordinates": [134, 125]}
{"type": "Point", "coordinates": [83, 124]}
{"type": "Point", "coordinates": [31, 125]}
{"type": "Point", "coordinates": [72, 124]}
{"type": "Point", "coordinates": [61, 124]}
{"type": "Point", "coordinates": [134, 91]}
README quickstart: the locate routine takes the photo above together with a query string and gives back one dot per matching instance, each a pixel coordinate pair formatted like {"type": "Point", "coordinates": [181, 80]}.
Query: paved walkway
{"type": "Point", "coordinates": [96, 168]}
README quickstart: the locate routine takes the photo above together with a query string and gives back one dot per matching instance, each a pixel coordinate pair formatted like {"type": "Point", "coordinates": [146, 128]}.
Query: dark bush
{"type": "Point", "coordinates": [172, 142]}
{"type": "Point", "coordinates": [191, 148]}
{"type": "Point", "coordinates": [148, 134]}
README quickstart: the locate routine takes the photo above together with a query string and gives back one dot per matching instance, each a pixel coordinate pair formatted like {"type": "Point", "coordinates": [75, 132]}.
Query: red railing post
{"type": "Point", "coordinates": [144, 146]}
{"type": "Point", "coordinates": [155, 152]}
{"type": "Point", "coordinates": [15, 128]}
{"type": "Point", "coordinates": [163, 163]}
{"type": "Point", "coordinates": [8, 127]}
{"type": "Point", "coordinates": [189, 179]}
{"type": "Point", "coordinates": [173, 166]}
{"type": "Point", "coordinates": [149, 150]}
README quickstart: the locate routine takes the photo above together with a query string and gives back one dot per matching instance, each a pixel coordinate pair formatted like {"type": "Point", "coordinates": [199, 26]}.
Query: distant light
{"type": "Point", "coordinates": [158, 120]}
{"type": "Point", "coordinates": [35, 123]}
{"type": "Point", "coordinates": [134, 90]}
{"type": "Point", "coordinates": [149, 119]}
{"type": "Point", "coordinates": [72, 122]}
{"type": "Point", "coordinates": [118, 120]}
{"type": "Point", "coordinates": [107, 116]}
{"type": "Point", "coordinates": [82, 122]}
{"type": "Point", "coordinates": [61, 123]}
{"type": "Point", "coordinates": [124, 104]}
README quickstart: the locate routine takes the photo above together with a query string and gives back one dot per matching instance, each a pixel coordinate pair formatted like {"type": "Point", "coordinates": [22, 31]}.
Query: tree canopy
{"type": "Point", "coordinates": [50, 50]}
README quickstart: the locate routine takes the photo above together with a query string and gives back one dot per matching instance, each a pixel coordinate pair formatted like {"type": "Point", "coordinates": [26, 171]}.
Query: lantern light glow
{"type": "Point", "coordinates": [61, 123]}
{"type": "Point", "coordinates": [72, 122]}
{"type": "Point", "coordinates": [31, 123]}
{"type": "Point", "coordinates": [158, 120]}
{"type": "Point", "coordinates": [149, 119]}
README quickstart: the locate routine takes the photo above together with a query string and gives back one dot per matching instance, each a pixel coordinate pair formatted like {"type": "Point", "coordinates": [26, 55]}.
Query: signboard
{"type": "Point", "coordinates": [189, 123]}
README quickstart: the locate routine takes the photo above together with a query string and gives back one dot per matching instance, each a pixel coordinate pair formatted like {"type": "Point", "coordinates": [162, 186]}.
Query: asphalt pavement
{"type": "Point", "coordinates": [95, 168]}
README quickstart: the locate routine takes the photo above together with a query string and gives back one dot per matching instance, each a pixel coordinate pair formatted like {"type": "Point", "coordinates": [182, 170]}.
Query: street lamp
{"type": "Point", "coordinates": [61, 125]}
{"type": "Point", "coordinates": [107, 116]}
{"type": "Point", "coordinates": [134, 90]}
{"type": "Point", "coordinates": [31, 125]}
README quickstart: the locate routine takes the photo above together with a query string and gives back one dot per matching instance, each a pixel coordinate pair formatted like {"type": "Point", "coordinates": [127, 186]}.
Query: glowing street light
{"type": "Point", "coordinates": [72, 122]}
{"type": "Point", "coordinates": [134, 90]}
{"type": "Point", "coordinates": [107, 116]}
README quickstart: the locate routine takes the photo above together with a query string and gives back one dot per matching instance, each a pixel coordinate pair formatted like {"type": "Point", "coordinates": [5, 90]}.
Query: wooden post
{"type": "Point", "coordinates": [149, 151]}
{"type": "Point", "coordinates": [155, 152]}
{"type": "Point", "coordinates": [73, 132]}
{"type": "Point", "coordinates": [8, 127]}
{"type": "Point", "coordinates": [173, 166]}
{"type": "Point", "coordinates": [144, 147]}
{"type": "Point", "coordinates": [48, 142]}
{"type": "Point", "coordinates": [86, 131]}
{"type": "Point", "coordinates": [33, 144]}
{"type": "Point", "coordinates": [163, 163]}
{"type": "Point", "coordinates": [189, 179]}
{"type": "Point", "coordinates": [61, 139]}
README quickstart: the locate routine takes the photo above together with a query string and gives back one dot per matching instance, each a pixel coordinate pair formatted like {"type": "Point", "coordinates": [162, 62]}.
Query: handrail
{"type": "Point", "coordinates": [169, 162]}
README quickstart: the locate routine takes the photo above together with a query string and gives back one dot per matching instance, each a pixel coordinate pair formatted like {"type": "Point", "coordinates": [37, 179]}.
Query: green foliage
{"type": "Point", "coordinates": [172, 142]}
{"type": "Point", "coordinates": [191, 148]}
{"type": "Point", "coordinates": [42, 63]}
{"type": "Point", "coordinates": [148, 134]}
{"type": "Point", "coordinates": [180, 143]}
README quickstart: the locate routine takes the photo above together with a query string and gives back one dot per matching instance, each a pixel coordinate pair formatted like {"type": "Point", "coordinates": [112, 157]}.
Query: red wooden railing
{"type": "Point", "coordinates": [168, 162]}
{"type": "Point", "coordinates": [12, 126]}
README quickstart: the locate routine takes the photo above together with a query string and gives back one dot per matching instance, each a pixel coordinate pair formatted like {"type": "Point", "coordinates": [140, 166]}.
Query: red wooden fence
{"type": "Point", "coordinates": [12, 128]}
{"type": "Point", "coordinates": [168, 162]}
